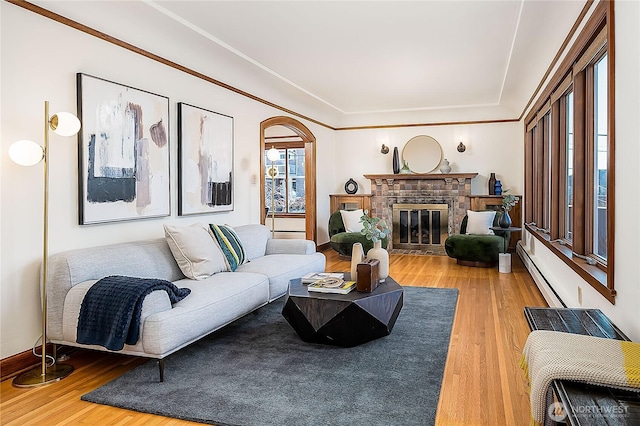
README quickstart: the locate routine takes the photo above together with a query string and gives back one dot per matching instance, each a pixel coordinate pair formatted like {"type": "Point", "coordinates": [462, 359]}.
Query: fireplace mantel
{"type": "Point", "coordinates": [423, 176]}
{"type": "Point", "coordinates": [447, 177]}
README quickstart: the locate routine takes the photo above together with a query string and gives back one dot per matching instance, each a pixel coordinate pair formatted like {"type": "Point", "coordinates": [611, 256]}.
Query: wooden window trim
{"type": "Point", "coordinates": [546, 171]}
{"type": "Point", "coordinates": [590, 273]}
{"type": "Point", "coordinates": [590, 44]}
{"type": "Point", "coordinates": [562, 167]}
{"type": "Point", "coordinates": [286, 145]}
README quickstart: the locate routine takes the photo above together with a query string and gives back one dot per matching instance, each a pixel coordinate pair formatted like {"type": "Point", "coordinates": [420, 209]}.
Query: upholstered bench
{"type": "Point", "coordinates": [585, 404]}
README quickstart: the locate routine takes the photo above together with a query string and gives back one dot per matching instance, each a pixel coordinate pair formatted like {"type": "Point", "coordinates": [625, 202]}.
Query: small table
{"type": "Point", "coordinates": [345, 320]}
{"type": "Point", "coordinates": [504, 259]}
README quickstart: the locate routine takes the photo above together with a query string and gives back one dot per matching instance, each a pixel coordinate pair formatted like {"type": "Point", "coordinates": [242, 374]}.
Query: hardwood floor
{"type": "Point", "coordinates": [482, 385]}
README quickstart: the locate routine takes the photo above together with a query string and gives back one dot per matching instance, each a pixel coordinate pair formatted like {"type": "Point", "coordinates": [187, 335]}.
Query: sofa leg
{"type": "Point", "coordinates": [161, 366]}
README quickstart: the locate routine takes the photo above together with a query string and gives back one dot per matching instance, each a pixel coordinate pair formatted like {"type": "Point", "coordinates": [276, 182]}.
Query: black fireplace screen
{"type": "Point", "coordinates": [418, 225]}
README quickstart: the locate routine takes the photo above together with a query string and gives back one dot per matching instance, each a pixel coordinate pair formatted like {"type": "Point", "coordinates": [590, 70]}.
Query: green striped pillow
{"type": "Point", "coordinates": [230, 245]}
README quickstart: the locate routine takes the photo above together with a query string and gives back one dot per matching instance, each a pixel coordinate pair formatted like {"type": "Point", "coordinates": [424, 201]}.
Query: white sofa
{"type": "Point", "coordinates": [213, 302]}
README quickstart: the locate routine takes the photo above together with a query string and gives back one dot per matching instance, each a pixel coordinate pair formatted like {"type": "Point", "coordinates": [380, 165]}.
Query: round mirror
{"type": "Point", "coordinates": [422, 153]}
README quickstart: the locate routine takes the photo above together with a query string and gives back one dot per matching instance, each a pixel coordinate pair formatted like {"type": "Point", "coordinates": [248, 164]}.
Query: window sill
{"type": "Point", "coordinates": [595, 276]}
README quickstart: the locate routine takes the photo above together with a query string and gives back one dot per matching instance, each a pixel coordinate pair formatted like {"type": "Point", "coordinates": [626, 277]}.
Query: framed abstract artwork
{"type": "Point", "coordinates": [123, 152]}
{"type": "Point", "coordinates": [205, 161]}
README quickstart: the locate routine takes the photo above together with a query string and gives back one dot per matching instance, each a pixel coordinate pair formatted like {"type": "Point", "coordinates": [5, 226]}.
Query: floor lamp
{"type": "Point", "coordinates": [29, 153]}
{"type": "Point", "coordinates": [273, 155]}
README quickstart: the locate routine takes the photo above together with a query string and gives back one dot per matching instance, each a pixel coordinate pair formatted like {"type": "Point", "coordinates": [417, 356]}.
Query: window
{"type": "Point", "coordinates": [567, 203]}
{"type": "Point", "coordinates": [601, 159]}
{"type": "Point", "coordinates": [289, 183]}
{"type": "Point", "coordinates": [568, 166]}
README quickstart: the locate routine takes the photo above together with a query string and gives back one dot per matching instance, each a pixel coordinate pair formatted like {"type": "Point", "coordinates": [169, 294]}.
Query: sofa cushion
{"type": "Point", "coordinates": [479, 223]}
{"type": "Point", "coordinates": [230, 245]}
{"type": "Point", "coordinates": [254, 239]}
{"type": "Point", "coordinates": [213, 303]}
{"type": "Point", "coordinates": [351, 220]}
{"type": "Point", "coordinates": [195, 251]}
{"type": "Point", "coordinates": [297, 265]}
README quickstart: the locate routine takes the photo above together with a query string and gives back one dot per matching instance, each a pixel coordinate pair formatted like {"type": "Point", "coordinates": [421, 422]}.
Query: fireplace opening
{"type": "Point", "coordinates": [420, 226]}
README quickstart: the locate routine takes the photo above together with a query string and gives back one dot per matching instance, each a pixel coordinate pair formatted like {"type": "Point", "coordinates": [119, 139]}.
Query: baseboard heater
{"type": "Point", "coordinates": [542, 283]}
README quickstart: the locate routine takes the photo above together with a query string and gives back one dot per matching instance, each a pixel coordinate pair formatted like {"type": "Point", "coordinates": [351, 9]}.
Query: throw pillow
{"type": "Point", "coordinates": [351, 220]}
{"type": "Point", "coordinates": [230, 245]}
{"type": "Point", "coordinates": [197, 255]}
{"type": "Point", "coordinates": [480, 222]}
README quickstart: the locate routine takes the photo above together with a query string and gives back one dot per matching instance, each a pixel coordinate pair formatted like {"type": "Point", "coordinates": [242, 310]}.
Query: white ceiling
{"type": "Point", "coordinates": [358, 57]}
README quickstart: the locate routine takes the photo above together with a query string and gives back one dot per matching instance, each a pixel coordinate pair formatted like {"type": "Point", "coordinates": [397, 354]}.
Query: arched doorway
{"type": "Point", "coordinates": [299, 135]}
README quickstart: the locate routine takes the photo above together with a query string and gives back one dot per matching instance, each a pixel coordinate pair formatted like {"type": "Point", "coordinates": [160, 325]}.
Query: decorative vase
{"type": "Point", "coordinates": [492, 184]}
{"type": "Point", "coordinates": [405, 169]}
{"type": "Point", "coordinates": [351, 186]}
{"type": "Point", "coordinates": [505, 220]}
{"type": "Point", "coordinates": [498, 188]}
{"type": "Point", "coordinates": [445, 167]}
{"type": "Point", "coordinates": [396, 161]}
{"type": "Point", "coordinates": [357, 256]}
{"type": "Point", "coordinates": [377, 252]}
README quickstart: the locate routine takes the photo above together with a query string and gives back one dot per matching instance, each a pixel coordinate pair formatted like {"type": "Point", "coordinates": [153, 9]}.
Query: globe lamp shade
{"type": "Point", "coordinates": [65, 124]}
{"type": "Point", "coordinates": [273, 154]}
{"type": "Point", "coordinates": [26, 153]}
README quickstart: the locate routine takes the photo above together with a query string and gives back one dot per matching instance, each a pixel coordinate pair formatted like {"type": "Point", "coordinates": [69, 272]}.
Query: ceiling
{"type": "Point", "coordinates": [357, 57]}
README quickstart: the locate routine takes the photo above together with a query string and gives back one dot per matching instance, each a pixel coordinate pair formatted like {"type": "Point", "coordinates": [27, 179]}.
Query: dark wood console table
{"type": "Point", "coordinates": [586, 404]}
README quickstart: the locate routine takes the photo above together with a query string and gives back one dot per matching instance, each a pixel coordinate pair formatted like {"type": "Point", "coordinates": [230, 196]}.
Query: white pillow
{"type": "Point", "coordinates": [195, 251]}
{"type": "Point", "coordinates": [480, 222]}
{"type": "Point", "coordinates": [351, 220]}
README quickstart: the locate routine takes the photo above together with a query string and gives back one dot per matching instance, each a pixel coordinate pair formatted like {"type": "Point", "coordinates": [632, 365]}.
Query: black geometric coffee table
{"type": "Point", "coordinates": [345, 320]}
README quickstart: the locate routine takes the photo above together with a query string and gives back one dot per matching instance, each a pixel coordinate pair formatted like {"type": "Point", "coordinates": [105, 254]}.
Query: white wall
{"type": "Point", "coordinates": [39, 61]}
{"type": "Point", "coordinates": [627, 157]}
{"type": "Point", "coordinates": [490, 148]}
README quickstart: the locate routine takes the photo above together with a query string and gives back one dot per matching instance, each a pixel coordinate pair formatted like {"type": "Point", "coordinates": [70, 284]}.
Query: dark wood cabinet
{"type": "Point", "coordinates": [494, 202]}
{"type": "Point", "coordinates": [349, 202]}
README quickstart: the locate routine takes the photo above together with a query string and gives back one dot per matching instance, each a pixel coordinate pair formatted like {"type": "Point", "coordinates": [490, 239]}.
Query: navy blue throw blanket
{"type": "Point", "coordinates": [111, 309]}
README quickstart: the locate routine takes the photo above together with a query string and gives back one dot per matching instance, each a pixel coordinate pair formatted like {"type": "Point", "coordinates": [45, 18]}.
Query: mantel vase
{"type": "Point", "coordinates": [377, 252]}
{"type": "Point", "coordinates": [492, 184]}
{"type": "Point", "coordinates": [396, 161]}
{"type": "Point", "coordinates": [357, 256]}
{"type": "Point", "coordinates": [498, 188]}
{"type": "Point", "coordinates": [445, 167]}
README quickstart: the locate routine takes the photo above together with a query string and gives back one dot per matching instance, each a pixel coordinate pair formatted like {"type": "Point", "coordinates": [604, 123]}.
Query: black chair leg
{"type": "Point", "coordinates": [161, 366]}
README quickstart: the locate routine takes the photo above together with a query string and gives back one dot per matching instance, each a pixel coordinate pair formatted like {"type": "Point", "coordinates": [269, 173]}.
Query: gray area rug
{"type": "Point", "coordinates": [257, 371]}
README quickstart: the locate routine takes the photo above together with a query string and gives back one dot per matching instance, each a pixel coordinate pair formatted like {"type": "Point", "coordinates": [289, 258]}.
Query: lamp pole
{"type": "Point", "coordinates": [273, 154]}
{"type": "Point", "coordinates": [66, 126]}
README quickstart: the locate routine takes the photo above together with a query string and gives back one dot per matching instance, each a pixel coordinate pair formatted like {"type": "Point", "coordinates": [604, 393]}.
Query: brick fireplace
{"type": "Point", "coordinates": [452, 190]}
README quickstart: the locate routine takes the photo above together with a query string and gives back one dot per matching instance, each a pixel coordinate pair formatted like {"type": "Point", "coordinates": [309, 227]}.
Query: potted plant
{"type": "Point", "coordinates": [508, 201]}
{"type": "Point", "coordinates": [376, 229]}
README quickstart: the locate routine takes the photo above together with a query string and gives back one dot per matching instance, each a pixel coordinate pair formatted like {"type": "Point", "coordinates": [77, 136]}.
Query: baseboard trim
{"type": "Point", "coordinates": [23, 361]}
{"type": "Point", "coordinates": [324, 247]}
{"type": "Point", "coordinates": [548, 292]}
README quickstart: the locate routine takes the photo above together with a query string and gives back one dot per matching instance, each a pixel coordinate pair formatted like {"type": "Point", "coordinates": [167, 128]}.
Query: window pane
{"type": "Point", "coordinates": [601, 156]}
{"type": "Point", "coordinates": [568, 219]}
{"type": "Point", "coordinates": [547, 172]}
{"type": "Point", "coordinates": [296, 180]}
{"type": "Point", "coordinates": [289, 183]}
{"type": "Point", "coordinates": [278, 183]}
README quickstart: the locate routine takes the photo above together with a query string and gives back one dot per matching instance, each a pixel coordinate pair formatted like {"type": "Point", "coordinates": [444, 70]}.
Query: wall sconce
{"type": "Point", "coordinates": [461, 147]}
{"type": "Point", "coordinates": [273, 155]}
{"type": "Point", "coordinates": [29, 153]}
{"type": "Point", "coordinates": [384, 149]}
